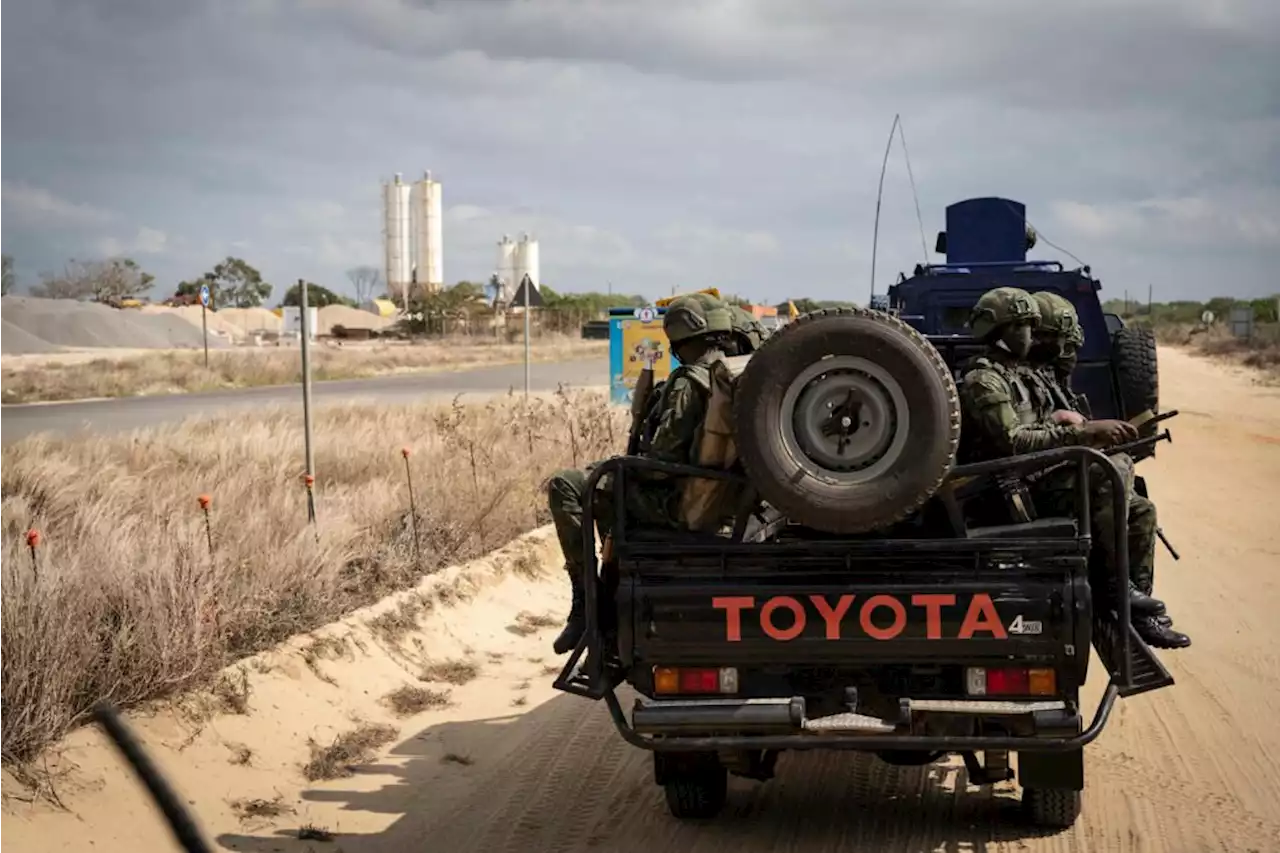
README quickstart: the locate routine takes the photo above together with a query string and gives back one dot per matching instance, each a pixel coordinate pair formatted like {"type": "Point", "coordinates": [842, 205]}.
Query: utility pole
{"type": "Point", "coordinates": [306, 393]}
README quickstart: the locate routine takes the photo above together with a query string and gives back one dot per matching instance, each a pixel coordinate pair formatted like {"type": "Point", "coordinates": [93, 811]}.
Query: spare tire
{"type": "Point", "coordinates": [1133, 357]}
{"type": "Point", "coordinates": [847, 420]}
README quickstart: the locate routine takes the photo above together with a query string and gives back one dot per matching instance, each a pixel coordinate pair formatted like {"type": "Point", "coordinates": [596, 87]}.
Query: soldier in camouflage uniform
{"type": "Point", "coordinates": [1004, 414]}
{"type": "Point", "coordinates": [699, 328]}
{"type": "Point", "coordinates": [1055, 346]}
{"type": "Point", "coordinates": [1057, 341]}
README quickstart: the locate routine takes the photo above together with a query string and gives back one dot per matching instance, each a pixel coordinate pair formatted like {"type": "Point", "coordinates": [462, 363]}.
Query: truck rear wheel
{"type": "Point", "coordinates": [1051, 808]}
{"type": "Point", "coordinates": [847, 420]}
{"type": "Point", "coordinates": [697, 794]}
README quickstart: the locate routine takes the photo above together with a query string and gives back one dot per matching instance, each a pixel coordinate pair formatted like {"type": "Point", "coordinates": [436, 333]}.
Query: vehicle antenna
{"type": "Point", "coordinates": [875, 239]}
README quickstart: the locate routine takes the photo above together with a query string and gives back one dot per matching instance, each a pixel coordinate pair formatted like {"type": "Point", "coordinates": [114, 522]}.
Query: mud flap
{"type": "Point", "coordinates": [1061, 771]}
{"type": "Point", "coordinates": [672, 766]}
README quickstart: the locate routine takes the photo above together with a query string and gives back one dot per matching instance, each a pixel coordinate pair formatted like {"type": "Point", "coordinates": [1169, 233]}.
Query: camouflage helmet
{"type": "Point", "coordinates": [748, 329]}
{"type": "Point", "coordinates": [1058, 317]}
{"type": "Point", "coordinates": [1001, 306]}
{"type": "Point", "coordinates": [695, 315]}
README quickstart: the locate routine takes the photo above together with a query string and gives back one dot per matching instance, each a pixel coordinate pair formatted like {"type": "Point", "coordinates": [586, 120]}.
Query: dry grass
{"type": "Point", "coordinates": [456, 672]}
{"type": "Point", "coordinates": [1261, 353]}
{"type": "Point", "coordinates": [527, 623]}
{"type": "Point", "coordinates": [175, 372]}
{"type": "Point", "coordinates": [392, 626]}
{"type": "Point", "coordinates": [456, 758]}
{"type": "Point", "coordinates": [410, 700]}
{"type": "Point", "coordinates": [127, 604]}
{"type": "Point", "coordinates": [257, 808]}
{"type": "Point", "coordinates": [311, 832]}
{"type": "Point", "coordinates": [348, 749]}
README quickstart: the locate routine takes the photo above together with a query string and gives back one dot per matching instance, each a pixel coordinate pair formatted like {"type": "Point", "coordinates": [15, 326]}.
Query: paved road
{"type": "Point", "coordinates": [129, 413]}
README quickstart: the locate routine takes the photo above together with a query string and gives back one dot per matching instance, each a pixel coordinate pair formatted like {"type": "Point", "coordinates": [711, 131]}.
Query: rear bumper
{"type": "Point", "coordinates": [712, 724]}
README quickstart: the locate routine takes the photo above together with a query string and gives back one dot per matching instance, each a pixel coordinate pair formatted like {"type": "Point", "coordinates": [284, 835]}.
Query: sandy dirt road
{"type": "Point", "coordinates": [1191, 768]}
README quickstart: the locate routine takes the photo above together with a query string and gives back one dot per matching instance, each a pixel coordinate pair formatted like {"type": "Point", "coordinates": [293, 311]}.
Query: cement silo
{"type": "Point", "coordinates": [506, 267]}
{"type": "Point", "coordinates": [525, 262]}
{"type": "Point", "coordinates": [396, 237]}
{"type": "Point", "coordinates": [428, 234]}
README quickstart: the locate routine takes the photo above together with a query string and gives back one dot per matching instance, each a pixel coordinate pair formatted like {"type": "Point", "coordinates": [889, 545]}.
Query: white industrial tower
{"type": "Point", "coordinates": [395, 233]}
{"type": "Point", "coordinates": [428, 245]}
{"type": "Point", "coordinates": [413, 234]}
{"type": "Point", "coordinates": [525, 262]}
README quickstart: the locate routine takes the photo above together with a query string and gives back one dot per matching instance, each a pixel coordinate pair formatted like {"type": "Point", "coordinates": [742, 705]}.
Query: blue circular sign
{"type": "Point", "coordinates": [204, 295]}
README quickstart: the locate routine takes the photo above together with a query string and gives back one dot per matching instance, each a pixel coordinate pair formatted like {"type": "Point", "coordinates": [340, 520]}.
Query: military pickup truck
{"type": "Point", "coordinates": [869, 596]}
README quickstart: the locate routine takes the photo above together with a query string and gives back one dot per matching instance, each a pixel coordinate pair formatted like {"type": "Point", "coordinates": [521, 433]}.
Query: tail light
{"type": "Point", "coordinates": [1010, 681]}
{"type": "Point", "coordinates": [695, 680]}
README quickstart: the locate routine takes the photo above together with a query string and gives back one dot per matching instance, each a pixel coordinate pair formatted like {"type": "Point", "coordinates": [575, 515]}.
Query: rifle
{"type": "Point", "coordinates": [640, 408]}
{"type": "Point", "coordinates": [1130, 446]}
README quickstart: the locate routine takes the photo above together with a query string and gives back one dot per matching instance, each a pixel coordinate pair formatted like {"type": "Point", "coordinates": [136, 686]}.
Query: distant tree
{"type": "Point", "coordinates": [233, 283]}
{"type": "Point", "coordinates": [365, 280]}
{"type": "Point", "coordinates": [317, 296]}
{"type": "Point", "coordinates": [432, 313]}
{"type": "Point", "coordinates": [106, 281]}
{"type": "Point", "coordinates": [1266, 310]}
{"type": "Point", "coordinates": [6, 284]}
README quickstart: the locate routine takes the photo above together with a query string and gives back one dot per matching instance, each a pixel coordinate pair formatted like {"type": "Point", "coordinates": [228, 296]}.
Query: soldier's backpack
{"type": "Point", "coordinates": [707, 504]}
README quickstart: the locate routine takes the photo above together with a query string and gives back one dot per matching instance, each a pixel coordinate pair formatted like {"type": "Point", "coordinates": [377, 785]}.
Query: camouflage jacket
{"type": "Point", "coordinates": [1059, 395]}
{"type": "Point", "coordinates": [1004, 412]}
{"type": "Point", "coordinates": [682, 405]}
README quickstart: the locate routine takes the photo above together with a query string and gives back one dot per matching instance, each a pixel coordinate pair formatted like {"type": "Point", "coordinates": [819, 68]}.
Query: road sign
{"type": "Point", "coordinates": [204, 295]}
{"type": "Point", "coordinates": [527, 293]}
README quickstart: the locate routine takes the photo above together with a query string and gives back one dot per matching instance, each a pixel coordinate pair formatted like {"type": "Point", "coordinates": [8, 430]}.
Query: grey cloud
{"type": "Point", "coordinates": [645, 142]}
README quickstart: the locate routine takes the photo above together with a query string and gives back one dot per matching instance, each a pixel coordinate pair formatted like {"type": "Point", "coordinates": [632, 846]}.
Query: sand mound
{"type": "Point", "coordinates": [252, 319]}
{"type": "Point", "coordinates": [351, 318]}
{"type": "Point", "coordinates": [444, 653]}
{"type": "Point", "coordinates": [80, 325]}
{"type": "Point", "coordinates": [18, 341]}
{"type": "Point", "coordinates": [191, 313]}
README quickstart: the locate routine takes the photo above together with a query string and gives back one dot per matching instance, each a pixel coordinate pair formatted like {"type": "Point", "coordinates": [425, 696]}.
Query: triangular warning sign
{"type": "Point", "coordinates": [527, 294]}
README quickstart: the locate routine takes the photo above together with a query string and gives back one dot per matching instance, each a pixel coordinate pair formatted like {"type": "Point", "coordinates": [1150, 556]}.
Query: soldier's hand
{"type": "Point", "coordinates": [1109, 433]}
{"type": "Point", "coordinates": [1067, 417]}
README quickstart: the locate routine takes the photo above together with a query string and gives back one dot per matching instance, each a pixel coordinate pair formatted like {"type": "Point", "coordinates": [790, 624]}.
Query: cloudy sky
{"type": "Point", "coordinates": [647, 143]}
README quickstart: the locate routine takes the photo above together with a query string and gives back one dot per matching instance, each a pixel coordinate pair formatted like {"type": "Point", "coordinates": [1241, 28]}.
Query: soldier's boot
{"type": "Point", "coordinates": [576, 625]}
{"type": "Point", "coordinates": [1142, 605]}
{"type": "Point", "coordinates": [1158, 635]}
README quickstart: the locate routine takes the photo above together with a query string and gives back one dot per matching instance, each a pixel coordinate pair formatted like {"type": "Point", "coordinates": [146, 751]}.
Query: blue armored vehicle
{"type": "Point", "coordinates": [985, 244]}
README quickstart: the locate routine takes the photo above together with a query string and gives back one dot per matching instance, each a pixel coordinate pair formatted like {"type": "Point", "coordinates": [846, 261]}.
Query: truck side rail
{"type": "Point", "coordinates": [590, 672]}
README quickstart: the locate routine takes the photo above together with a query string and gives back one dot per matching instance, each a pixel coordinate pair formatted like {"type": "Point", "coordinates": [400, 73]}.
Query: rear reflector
{"type": "Point", "coordinates": [704, 680]}
{"type": "Point", "coordinates": [1010, 681]}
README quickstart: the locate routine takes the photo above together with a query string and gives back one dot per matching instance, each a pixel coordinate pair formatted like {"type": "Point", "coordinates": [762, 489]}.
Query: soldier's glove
{"type": "Point", "coordinates": [1109, 433]}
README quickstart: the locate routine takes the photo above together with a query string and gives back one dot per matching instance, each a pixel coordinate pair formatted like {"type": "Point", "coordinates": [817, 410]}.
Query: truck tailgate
{"type": "Point", "coordinates": [803, 617]}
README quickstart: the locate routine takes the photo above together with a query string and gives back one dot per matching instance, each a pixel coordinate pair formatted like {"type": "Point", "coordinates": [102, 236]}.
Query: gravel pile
{"type": "Point", "coordinates": [350, 318]}
{"type": "Point", "coordinates": [78, 325]}
{"type": "Point", "coordinates": [252, 319]}
{"type": "Point", "coordinates": [18, 341]}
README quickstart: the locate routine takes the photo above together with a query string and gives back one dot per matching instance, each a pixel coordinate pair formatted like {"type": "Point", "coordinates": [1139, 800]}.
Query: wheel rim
{"type": "Point", "coordinates": [845, 420]}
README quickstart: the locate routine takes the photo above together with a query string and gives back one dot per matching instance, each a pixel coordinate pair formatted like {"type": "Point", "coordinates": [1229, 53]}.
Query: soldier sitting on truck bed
{"type": "Point", "coordinates": [1051, 360]}
{"type": "Point", "coordinates": [699, 328]}
{"type": "Point", "coordinates": [747, 336]}
{"type": "Point", "coordinates": [1003, 415]}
